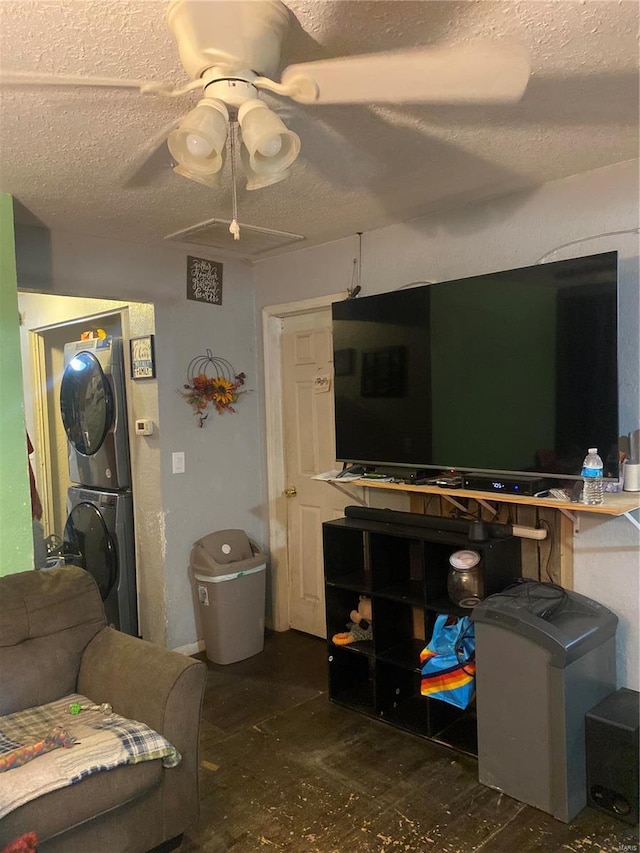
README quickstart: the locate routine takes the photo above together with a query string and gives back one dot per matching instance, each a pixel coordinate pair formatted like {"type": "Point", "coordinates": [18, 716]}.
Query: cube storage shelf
{"type": "Point", "coordinates": [403, 569]}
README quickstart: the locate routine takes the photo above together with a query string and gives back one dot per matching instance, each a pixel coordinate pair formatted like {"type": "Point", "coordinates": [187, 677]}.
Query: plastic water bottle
{"type": "Point", "coordinates": [593, 488]}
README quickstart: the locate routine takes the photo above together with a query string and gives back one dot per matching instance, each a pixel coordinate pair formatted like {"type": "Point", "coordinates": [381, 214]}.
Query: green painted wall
{"type": "Point", "coordinates": [16, 542]}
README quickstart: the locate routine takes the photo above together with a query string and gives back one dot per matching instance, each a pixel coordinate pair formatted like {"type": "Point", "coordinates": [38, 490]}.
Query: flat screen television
{"type": "Point", "coordinates": [513, 372]}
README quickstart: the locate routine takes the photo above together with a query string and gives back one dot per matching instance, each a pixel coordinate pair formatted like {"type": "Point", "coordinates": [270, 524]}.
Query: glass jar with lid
{"type": "Point", "coordinates": [465, 582]}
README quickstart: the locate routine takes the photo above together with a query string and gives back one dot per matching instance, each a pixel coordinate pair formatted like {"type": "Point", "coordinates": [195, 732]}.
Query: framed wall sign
{"type": "Point", "coordinates": [204, 280]}
{"type": "Point", "coordinates": [143, 361]}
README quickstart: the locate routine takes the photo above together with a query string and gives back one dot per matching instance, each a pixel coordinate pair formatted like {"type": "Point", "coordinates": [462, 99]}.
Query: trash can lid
{"type": "Point", "coordinates": [226, 546]}
{"type": "Point", "coordinates": [566, 623]}
{"type": "Point", "coordinates": [224, 551]}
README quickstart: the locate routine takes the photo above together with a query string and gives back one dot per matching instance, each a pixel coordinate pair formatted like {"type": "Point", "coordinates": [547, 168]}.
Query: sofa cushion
{"type": "Point", "coordinates": [95, 742]}
{"type": "Point", "coordinates": [47, 619]}
{"type": "Point", "coordinates": [68, 807]}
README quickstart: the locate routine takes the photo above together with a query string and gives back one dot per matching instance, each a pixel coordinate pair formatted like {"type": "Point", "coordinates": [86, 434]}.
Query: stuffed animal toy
{"type": "Point", "coordinates": [362, 616]}
{"type": "Point", "coordinates": [359, 628]}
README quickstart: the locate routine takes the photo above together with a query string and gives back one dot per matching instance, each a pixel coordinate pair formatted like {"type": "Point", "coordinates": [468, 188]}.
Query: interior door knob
{"type": "Point", "coordinates": [291, 492]}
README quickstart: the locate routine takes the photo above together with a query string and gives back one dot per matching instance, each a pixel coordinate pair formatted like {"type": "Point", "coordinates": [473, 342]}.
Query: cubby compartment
{"type": "Point", "coordinates": [398, 699]}
{"type": "Point", "coordinates": [344, 558]}
{"type": "Point", "coordinates": [453, 726]}
{"type": "Point", "coordinates": [340, 602]}
{"type": "Point", "coordinates": [403, 569]}
{"type": "Point", "coordinates": [399, 702]}
{"type": "Point", "coordinates": [351, 679]}
{"type": "Point", "coordinates": [437, 570]}
{"type": "Point", "coordinates": [397, 567]}
{"type": "Point", "coordinates": [399, 631]}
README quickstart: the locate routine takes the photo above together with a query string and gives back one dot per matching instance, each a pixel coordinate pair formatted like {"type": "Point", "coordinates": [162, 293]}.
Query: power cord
{"type": "Point", "coordinates": [543, 258]}
{"type": "Point", "coordinates": [586, 240]}
{"type": "Point", "coordinates": [415, 283]}
{"type": "Point", "coordinates": [356, 272]}
{"type": "Point", "coordinates": [542, 598]}
{"type": "Point", "coordinates": [546, 571]}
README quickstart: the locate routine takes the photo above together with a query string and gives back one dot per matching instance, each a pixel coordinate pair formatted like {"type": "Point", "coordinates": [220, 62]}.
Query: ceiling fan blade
{"type": "Point", "coordinates": [147, 87]}
{"type": "Point", "coordinates": [487, 72]}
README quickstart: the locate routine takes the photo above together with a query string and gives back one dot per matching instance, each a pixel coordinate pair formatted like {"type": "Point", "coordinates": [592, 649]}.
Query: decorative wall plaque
{"type": "Point", "coordinates": [204, 280]}
{"type": "Point", "coordinates": [143, 362]}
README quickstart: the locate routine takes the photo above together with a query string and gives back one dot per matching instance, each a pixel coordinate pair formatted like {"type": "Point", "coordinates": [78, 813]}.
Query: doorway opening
{"type": "Point", "coordinates": [47, 323]}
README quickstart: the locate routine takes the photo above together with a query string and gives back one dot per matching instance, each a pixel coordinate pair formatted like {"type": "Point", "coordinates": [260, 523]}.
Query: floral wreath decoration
{"type": "Point", "coordinates": [211, 381]}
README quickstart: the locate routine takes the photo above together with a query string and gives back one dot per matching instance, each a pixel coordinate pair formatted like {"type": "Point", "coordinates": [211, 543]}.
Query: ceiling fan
{"type": "Point", "coordinates": [231, 51]}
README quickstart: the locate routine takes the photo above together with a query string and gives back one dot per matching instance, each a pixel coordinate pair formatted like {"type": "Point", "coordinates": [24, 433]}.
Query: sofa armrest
{"type": "Point", "coordinates": [161, 688]}
{"type": "Point", "coordinates": [141, 680]}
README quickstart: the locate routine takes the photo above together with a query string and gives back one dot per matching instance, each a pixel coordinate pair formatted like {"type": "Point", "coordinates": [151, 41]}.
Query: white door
{"type": "Point", "coordinates": [309, 448]}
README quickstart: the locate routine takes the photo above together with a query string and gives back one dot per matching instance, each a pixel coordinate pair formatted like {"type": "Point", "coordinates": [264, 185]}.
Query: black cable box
{"type": "Point", "coordinates": [507, 485]}
{"type": "Point", "coordinates": [407, 475]}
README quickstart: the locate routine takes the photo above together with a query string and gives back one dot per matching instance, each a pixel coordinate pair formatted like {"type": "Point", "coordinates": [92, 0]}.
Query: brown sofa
{"type": "Point", "coordinates": [54, 640]}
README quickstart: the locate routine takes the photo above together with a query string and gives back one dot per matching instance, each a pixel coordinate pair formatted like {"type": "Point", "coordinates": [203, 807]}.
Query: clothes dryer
{"type": "Point", "coordinates": [94, 413]}
{"type": "Point", "coordinates": [98, 536]}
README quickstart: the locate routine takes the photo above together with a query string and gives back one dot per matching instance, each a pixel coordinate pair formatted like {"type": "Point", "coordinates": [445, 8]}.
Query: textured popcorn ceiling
{"type": "Point", "coordinates": [72, 156]}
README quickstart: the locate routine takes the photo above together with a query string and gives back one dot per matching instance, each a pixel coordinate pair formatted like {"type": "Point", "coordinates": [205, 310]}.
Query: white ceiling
{"type": "Point", "coordinates": [72, 156]}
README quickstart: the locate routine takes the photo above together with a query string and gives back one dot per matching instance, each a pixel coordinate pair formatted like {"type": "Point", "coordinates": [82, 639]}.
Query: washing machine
{"type": "Point", "coordinates": [98, 536]}
{"type": "Point", "coordinates": [94, 413]}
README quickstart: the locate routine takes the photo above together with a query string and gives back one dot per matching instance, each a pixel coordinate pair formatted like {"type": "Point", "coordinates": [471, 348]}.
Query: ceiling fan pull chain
{"type": "Point", "coordinates": [234, 228]}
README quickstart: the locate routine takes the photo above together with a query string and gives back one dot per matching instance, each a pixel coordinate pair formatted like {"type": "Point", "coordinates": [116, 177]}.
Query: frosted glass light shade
{"type": "Point", "coordinates": [257, 181]}
{"type": "Point", "coordinates": [270, 145]}
{"type": "Point", "coordinates": [213, 179]}
{"type": "Point", "coordinates": [198, 143]}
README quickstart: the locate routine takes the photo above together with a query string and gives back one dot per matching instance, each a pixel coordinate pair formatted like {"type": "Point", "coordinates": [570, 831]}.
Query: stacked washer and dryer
{"type": "Point", "coordinates": [98, 533]}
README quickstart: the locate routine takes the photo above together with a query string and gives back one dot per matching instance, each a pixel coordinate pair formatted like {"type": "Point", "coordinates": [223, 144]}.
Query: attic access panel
{"type": "Point", "coordinates": [254, 240]}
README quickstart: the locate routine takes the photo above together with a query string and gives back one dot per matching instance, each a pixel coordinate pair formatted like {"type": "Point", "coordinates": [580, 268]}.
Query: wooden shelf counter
{"type": "Point", "coordinates": [615, 503]}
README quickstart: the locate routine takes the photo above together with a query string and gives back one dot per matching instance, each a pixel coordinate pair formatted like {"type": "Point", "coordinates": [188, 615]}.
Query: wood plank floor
{"type": "Point", "coordinates": [283, 769]}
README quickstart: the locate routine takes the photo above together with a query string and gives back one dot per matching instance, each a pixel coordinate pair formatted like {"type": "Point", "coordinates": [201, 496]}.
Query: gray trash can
{"type": "Point", "coordinates": [229, 573]}
{"type": "Point", "coordinates": [544, 657]}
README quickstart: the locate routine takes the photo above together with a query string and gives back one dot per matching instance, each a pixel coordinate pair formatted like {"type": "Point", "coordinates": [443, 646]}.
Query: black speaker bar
{"type": "Point", "coordinates": [476, 530]}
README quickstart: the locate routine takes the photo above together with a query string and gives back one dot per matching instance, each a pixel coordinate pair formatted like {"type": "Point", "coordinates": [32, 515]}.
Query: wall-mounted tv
{"type": "Point", "coordinates": [511, 372]}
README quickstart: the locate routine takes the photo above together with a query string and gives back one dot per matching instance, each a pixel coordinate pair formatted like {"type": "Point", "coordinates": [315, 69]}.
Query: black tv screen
{"type": "Point", "coordinates": [511, 372]}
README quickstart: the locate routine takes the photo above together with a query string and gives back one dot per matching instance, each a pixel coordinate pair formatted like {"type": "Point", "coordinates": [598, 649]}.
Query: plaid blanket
{"type": "Point", "coordinates": [101, 742]}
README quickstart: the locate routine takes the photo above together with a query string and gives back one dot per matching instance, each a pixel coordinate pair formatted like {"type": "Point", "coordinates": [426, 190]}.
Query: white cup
{"type": "Point", "coordinates": [631, 476]}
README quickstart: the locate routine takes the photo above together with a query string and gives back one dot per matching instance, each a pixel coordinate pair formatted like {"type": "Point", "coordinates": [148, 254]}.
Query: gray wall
{"type": "Point", "coordinates": [223, 482]}
{"type": "Point", "coordinates": [222, 486]}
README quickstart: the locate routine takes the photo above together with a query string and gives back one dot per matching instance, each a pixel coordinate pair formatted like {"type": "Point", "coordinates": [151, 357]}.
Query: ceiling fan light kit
{"type": "Point", "coordinates": [219, 43]}
{"type": "Point", "coordinates": [213, 180]}
{"type": "Point", "coordinates": [198, 144]}
{"type": "Point", "coordinates": [272, 148]}
{"type": "Point", "coordinates": [258, 181]}
{"type": "Point", "coordinates": [199, 140]}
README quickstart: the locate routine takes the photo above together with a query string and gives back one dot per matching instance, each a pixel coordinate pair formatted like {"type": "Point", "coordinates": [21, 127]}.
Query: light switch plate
{"type": "Point", "coordinates": [178, 462]}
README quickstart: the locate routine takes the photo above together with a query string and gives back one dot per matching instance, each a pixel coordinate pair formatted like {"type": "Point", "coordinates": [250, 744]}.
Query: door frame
{"type": "Point", "coordinates": [37, 353]}
{"type": "Point", "coordinates": [272, 317]}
